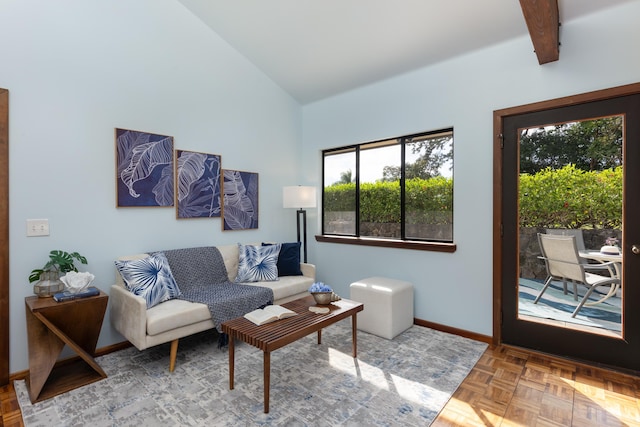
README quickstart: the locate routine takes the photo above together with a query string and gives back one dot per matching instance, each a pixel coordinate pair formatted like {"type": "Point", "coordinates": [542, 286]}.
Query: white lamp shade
{"type": "Point", "coordinates": [299, 197]}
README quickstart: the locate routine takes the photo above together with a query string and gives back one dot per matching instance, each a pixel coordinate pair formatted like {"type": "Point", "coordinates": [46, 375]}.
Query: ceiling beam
{"type": "Point", "coordinates": [543, 24]}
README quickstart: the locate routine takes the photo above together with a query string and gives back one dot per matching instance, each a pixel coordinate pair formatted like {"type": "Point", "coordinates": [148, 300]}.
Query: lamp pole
{"type": "Point", "coordinates": [303, 213]}
{"type": "Point", "coordinates": [300, 197]}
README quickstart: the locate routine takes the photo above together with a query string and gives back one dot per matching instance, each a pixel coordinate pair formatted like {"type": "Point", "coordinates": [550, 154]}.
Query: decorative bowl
{"type": "Point", "coordinates": [77, 282]}
{"type": "Point", "coordinates": [610, 250]}
{"type": "Point", "coordinates": [322, 298]}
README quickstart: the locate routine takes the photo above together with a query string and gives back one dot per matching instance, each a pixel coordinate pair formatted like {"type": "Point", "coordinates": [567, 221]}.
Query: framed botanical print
{"type": "Point", "coordinates": [144, 166]}
{"type": "Point", "coordinates": [240, 200]}
{"type": "Point", "coordinates": [197, 185]}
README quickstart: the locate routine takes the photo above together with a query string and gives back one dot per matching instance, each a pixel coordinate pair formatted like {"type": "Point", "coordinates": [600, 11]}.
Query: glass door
{"type": "Point", "coordinates": [571, 171]}
{"type": "Point", "coordinates": [570, 184]}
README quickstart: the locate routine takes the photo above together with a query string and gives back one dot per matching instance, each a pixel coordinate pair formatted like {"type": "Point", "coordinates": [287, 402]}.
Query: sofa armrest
{"type": "Point", "coordinates": [308, 270]}
{"type": "Point", "coordinates": [129, 315]}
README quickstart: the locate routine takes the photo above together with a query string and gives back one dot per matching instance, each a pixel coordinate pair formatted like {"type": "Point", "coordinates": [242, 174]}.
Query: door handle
{"type": "Point", "coordinates": [635, 249]}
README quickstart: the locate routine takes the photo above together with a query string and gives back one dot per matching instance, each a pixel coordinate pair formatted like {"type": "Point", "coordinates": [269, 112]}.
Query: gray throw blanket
{"type": "Point", "coordinates": [202, 277]}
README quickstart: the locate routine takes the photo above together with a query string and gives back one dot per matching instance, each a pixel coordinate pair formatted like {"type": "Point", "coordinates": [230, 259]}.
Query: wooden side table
{"type": "Point", "coordinates": [51, 325]}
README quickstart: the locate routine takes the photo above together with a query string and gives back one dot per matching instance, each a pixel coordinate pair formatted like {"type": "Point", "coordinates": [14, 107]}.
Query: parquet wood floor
{"type": "Point", "coordinates": [513, 387]}
{"type": "Point", "coordinates": [510, 387]}
{"type": "Point", "coordinates": [9, 408]}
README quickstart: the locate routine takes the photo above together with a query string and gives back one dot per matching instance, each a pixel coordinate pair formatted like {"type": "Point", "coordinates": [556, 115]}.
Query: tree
{"type": "Point", "coordinates": [434, 152]}
{"type": "Point", "coordinates": [590, 145]}
{"type": "Point", "coordinates": [346, 177]}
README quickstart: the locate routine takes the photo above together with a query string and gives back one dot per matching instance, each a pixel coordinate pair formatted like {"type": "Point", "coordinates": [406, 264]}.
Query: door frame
{"type": "Point", "coordinates": [498, 121]}
{"type": "Point", "coordinates": [4, 237]}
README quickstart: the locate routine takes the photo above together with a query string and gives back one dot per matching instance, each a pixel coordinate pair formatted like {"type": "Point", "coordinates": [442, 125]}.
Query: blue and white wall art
{"type": "Point", "coordinates": [198, 184]}
{"type": "Point", "coordinates": [240, 200]}
{"type": "Point", "coordinates": [145, 169]}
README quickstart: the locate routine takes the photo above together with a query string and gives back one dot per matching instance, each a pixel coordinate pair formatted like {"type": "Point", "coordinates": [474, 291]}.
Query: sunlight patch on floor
{"type": "Point", "coordinates": [346, 363]}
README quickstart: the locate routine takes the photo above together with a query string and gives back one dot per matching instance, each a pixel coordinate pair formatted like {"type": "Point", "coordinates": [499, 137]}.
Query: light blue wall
{"type": "Point", "coordinates": [76, 70]}
{"type": "Point", "coordinates": [597, 52]}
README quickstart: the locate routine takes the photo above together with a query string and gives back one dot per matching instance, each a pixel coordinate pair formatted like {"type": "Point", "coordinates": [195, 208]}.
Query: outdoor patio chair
{"type": "Point", "coordinates": [577, 232]}
{"type": "Point", "coordinates": [560, 254]}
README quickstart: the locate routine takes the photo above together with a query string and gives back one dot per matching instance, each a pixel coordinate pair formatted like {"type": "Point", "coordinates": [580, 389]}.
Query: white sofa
{"type": "Point", "coordinates": [171, 320]}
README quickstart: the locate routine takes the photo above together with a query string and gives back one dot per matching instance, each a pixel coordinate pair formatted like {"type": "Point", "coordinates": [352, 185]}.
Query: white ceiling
{"type": "Point", "coordinates": [314, 49]}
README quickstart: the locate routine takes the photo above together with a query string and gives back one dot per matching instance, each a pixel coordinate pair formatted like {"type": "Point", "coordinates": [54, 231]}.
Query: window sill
{"type": "Point", "coordinates": [388, 243]}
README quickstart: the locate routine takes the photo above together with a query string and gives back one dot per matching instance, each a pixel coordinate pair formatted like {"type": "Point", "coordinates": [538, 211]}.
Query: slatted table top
{"type": "Point", "coordinates": [274, 335]}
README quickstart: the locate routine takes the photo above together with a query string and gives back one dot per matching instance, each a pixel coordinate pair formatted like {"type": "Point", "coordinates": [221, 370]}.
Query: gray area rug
{"type": "Point", "coordinates": [400, 382]}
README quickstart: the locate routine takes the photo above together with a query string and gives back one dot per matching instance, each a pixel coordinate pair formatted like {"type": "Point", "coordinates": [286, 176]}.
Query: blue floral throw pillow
{"type": "Point", "coordinates": [257, 263]}
{"type": "Point", "coordinates": [149, 278]}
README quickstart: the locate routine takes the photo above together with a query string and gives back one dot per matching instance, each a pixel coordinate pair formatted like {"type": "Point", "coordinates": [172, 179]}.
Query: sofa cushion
{"type": "Point", "coordinates": [150, 278]}
{"type": "Point", "coordinates": [175, 314]}
{"type": "Point", "coordinates": [288, 259]}
{"type": "Point", "coordinates": [230, 256]}
{"type": "Point", "coordinates": [257, 263]}
{"type": "Point", "coordinates": [287, 286]}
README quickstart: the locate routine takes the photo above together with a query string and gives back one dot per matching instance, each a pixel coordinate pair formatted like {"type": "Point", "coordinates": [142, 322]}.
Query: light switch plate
{"type": "Point", "coordinates": [37, 227]}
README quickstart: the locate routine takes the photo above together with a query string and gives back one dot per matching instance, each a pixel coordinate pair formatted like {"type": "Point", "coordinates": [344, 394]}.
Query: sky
{"type": "Point", "coordinates": [372, 163]}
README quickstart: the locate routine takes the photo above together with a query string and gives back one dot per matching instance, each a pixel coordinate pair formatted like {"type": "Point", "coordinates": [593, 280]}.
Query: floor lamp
{"type": "Point", "coordinates": [300, 197]}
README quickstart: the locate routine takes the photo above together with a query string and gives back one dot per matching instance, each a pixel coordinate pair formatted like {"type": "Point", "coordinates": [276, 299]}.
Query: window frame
{"type": "Point", "coordinates": [356, 238]}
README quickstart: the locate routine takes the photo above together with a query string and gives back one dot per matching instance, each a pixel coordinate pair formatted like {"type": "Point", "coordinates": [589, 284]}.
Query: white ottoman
{"type": "Point", "coordinates": [388, 305]}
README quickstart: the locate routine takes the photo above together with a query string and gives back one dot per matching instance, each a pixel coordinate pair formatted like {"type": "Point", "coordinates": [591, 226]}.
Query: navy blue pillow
{"type": "Point", "coordinates": [289, 259]}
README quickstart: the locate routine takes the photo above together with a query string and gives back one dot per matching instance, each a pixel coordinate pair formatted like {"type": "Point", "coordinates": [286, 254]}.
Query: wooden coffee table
{"type": "Point", "coordinates": [277, 334]}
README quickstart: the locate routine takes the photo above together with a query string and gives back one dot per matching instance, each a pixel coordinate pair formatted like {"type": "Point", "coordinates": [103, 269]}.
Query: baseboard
{"type": "Point", "coordinates": [21, 375]}
{"type": "Point", "coordinates": [111, 348]}
{"type": "Point", "coordinates": [455, 331]}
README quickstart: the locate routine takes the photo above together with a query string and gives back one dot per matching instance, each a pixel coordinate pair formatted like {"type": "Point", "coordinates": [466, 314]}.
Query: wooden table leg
{"type": "Point", "coordinates": [320, 337]}
{"type": "Point", "coordinates": [84, 355]}
{"type": "Point", "coordinates": [267, 380]}
{"type": "Point", "coordinates": [41, 363]}
{"type": "Point", "coordinates": [232, 355]}
{"type": "Point", "coordinates": [354, 338]}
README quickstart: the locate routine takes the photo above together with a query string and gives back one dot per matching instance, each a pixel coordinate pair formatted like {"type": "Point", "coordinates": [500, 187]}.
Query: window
{"type": "Point", "coordinates": [397, 189]}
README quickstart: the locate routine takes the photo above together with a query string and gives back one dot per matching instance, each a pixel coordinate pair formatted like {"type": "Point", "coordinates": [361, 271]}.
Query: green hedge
{"type": "Point", "coordinates": [428, 200]}
{"type": "Point", "coordinates": [563, 198]}
{"type": "Point", "coordinates": [571, 198]}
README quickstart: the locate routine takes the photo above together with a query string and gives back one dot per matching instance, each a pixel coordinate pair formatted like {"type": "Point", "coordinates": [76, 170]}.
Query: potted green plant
{"type": "Point", "coordinates": [47, 278]}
